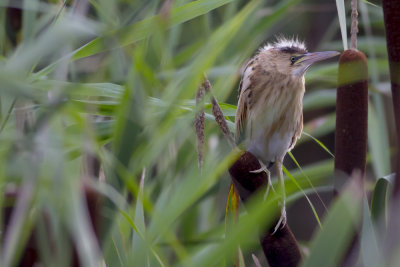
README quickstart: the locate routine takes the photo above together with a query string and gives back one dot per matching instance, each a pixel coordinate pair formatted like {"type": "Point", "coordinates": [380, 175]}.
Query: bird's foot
{"type": "Point", "coordinates": [282, 220]}
{"type": "Point", "coordinates": [260, 170]}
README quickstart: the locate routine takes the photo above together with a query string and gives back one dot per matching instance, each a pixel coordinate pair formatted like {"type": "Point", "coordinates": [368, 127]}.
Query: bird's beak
{"type": "Point", "coordinates": [310, 58]}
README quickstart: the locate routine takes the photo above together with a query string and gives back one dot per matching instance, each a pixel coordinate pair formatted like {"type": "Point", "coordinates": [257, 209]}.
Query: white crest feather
{"type": "Point", "coordinates": [284, 42]}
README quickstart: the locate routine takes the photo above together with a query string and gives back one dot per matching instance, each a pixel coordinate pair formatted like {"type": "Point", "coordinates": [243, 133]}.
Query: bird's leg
{"type": "Point", "coordinates": [282, 220]}
{"type": "Point", "coordinates": [269, 184]}
{"type": "Point", "coordinates": [265, 169]}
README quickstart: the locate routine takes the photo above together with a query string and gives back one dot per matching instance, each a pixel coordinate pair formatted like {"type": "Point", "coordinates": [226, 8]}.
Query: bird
{"type": "Point", "coordinates": [269, 116]}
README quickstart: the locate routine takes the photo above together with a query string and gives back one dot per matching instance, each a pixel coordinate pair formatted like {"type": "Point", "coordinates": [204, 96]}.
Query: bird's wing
{"type": "Point", "coordinates": [241, 116]}
{"type": "Point", "coordinates": [297, 133]}
{"type": "Point", "coordinates": [242, 108]}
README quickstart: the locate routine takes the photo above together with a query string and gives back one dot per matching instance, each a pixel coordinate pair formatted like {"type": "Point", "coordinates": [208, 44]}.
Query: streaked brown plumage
{"type": "Point", "coordinates": [269, 117]}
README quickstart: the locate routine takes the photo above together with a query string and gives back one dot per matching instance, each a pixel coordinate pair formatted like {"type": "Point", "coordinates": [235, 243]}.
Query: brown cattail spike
{"type": "Point", "coordinates": [199, 125]}
{"type": "Point", "coordinates": [281, 248]}
{"type": "Point", "coordinates": [351, 112]}
{"type": "Point", "coordinates": [219, 116]}
{"type": "Point", "coordinates": [351, 127]}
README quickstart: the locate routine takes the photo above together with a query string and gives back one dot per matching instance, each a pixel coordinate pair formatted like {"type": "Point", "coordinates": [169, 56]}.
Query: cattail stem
{"type": "Point", "coordinates": [391, 12]}
{"type": "Point", "coordinates": [354, 24]}
{"type": "Point", "coordinates": [280, 249]}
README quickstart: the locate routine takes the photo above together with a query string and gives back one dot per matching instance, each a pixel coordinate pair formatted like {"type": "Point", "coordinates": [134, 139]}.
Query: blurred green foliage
{"type": "Point", "coordinates": [113, 81]}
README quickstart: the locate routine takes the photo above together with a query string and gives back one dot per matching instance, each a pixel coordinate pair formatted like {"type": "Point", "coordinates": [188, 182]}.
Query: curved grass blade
{"type": "Point", "coordinates": [305, 195]}
{"type": "Point", "coordinates": [379, 200]}
{"type": "Point", "coordinates": [369, 3]}
{"type": "Point", "coordinates": [319, 143]}
{"type": "Point", "coordinates": [307, 178]}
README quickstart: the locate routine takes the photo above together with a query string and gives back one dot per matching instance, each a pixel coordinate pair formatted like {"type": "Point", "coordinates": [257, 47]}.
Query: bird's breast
{"type": "Point", "coordinates": [275, 118]}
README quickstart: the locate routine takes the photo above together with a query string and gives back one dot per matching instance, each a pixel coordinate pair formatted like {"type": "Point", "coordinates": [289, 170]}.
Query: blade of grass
{"type": "Point", "coordinates": [370, 251]}
{"type": "Point", "coordinates": [59, 11]}
{"type": "Point", "coordinates": [319, 127]}
{"type": "Point", "coordinates": [194, 188]}
{"type": "Point", "coordinates": [379, 199]}
{"type": "Point", "coordinates": [295, 196]}
{"type": "Point", "coordinates": [133, 188]}
{"type": "Point", "coordinates": [319, 143]}
{"type": "Point", "coordinates": [378, 140]}
{"type": "Point", "coordinates": [143, 29]}
{"type": "Point", "coordinates": [20, 225]}
{"type": "Point", "coordinates": [342, 21]}
{"type": "Point", "coordinates": [5, 120]}
{"type": "Point", "coordinates": [369, 3]}
{"type": "Point", "coordinates": [140, 226]}
{"type": "Point", "coordinates": [28, 20]}
{"type": "Point", "coordinates": [49, 43]}
{"type": "Point", "coordinates": [3, 17]}
{"type": "Point", "coordinates": [305, 195]}
{"type": "Point", "coordinates": [184, 87]}
{"type": "Point", "coordinates": [232, 216]}
{"type": "Point", "coordinates": [332, 240]}
{"type": "Point", "coordinates": [378, 143]}
{"type": "Point", "coordinates": [242, 232]}
{"type": "Point", "coordinates": [319, 99]}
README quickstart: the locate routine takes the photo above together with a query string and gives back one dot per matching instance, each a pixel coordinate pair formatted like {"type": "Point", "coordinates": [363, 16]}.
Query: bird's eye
{"type": "Point", "coordinates": [292, 59]}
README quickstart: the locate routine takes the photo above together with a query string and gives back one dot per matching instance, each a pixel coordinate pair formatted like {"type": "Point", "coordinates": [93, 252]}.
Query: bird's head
{"type": "Point", "coordinates": [291, 57]}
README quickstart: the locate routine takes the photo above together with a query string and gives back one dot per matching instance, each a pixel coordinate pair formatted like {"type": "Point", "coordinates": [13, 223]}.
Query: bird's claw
{"type": "Point", "coordinates": [282, 220]}
{"type": "Point", "coordinates": [260, 170]}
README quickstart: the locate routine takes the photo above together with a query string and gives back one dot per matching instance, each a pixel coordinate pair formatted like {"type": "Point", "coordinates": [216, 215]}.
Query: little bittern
{"type": "Point", "coordinates": [269, 117]}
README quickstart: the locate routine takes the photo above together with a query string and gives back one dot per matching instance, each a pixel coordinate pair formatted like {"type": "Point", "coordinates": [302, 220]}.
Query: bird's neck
{"type": "Point", "coordinates": [296, 82]}
{"type": "Point", "coordinates": [297, 87]}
